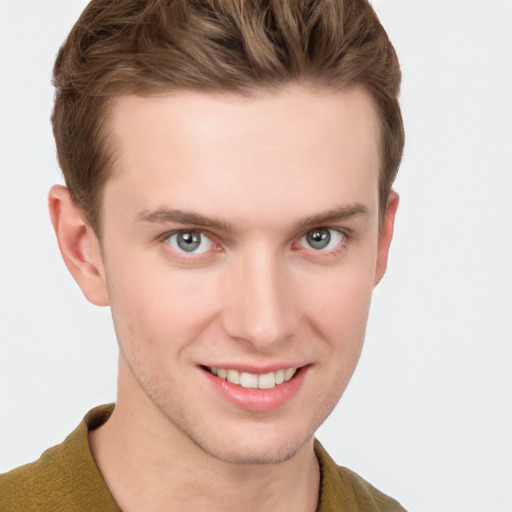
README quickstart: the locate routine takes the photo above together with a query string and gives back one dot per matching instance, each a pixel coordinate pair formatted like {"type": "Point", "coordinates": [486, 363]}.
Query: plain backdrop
{"type": "Point", "coordinates": [428, 415]}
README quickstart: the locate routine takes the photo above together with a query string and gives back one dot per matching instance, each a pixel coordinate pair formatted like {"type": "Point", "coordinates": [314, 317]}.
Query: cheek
{"type": "Point", "coordinates": [153, 304]}
{"type": "Point", "coordinates": [341, 299]}
{"type": "Point", "coordinates": [338, 315]}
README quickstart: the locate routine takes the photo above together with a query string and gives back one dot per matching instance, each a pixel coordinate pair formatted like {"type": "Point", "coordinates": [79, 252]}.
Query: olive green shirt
{"type": "Point", "coordinates": [66, 479]}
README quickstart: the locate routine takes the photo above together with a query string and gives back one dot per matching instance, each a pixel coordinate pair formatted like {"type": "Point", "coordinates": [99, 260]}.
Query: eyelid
{"type": "Point", "coordinates": [164, 236]}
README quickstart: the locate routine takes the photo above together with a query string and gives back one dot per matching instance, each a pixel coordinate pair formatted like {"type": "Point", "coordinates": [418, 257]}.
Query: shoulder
{"type": "Point", "coordinates": [367, 496]}
{"type": "Point", "coordinates": [28, 487]}
{"type": "Point", "coordinates": [342, 489]}
{"type": "Point", "coordinates": [64, 478]}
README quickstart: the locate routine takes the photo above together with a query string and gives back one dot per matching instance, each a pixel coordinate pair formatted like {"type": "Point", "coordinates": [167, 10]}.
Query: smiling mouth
{"type": "Point", "coordinates": [252, 380]}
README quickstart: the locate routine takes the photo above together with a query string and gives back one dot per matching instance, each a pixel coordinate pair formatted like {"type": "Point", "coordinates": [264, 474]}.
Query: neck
{"type": "Point", "coordinates": [148, 464]}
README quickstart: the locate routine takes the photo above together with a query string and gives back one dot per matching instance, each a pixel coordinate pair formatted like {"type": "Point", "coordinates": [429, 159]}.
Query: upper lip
{"type": "Point", "coordinates": [256, 369]}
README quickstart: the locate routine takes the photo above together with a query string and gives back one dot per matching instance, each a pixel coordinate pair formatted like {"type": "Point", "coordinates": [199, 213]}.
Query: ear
{"type": "Point", "coordinates": [78, 245]}
{"type": "Point", "coordinates": [385, 236]}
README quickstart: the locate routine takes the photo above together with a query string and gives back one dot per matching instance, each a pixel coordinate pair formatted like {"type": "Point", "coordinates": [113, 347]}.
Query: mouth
{"type": "Point", "coordinates": [257, 391]}
{"type": "Point", "coordinates": [253, 380]}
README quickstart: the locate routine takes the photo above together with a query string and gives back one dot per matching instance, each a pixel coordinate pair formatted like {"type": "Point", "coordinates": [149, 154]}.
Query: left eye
{"type": "Point", "coordinates": [191, 242]}
{"type": "Point", "coordinates": [322, 239]}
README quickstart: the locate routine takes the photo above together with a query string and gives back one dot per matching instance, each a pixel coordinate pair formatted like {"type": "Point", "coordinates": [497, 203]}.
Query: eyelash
{"type": "Point", "coordinates": [346, 236]}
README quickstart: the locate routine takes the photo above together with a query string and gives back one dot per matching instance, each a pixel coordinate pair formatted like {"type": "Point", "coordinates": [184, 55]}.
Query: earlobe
{"type": "Point", "coordinates": [78, 245]}
{"type": "Point", "coordinates": [385, 236]}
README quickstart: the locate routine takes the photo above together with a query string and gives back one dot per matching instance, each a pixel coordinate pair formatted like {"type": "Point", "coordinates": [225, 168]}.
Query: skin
{"type": "Point", "coordinates": [268, 170]}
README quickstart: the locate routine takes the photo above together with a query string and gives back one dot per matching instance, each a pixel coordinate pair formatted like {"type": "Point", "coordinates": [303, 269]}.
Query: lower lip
{"type": "Point", "coordinates": [261, 400]}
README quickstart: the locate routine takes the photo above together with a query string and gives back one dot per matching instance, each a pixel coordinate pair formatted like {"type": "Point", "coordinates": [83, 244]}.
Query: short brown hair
{"type": "Point", "coordinates": [152, 46]}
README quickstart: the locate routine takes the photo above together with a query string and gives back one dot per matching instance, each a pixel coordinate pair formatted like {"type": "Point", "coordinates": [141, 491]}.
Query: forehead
{"type": "Point", "coordinates": [296, 150]}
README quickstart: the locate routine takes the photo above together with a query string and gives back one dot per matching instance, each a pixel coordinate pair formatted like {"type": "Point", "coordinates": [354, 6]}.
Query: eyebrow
{"type": "Point", "coordinates": [334, 215]}
{"type": "Point", "coordinates": [166, 215]}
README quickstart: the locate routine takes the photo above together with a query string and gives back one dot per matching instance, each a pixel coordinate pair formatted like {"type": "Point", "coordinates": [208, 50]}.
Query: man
{"type": "Point", "coordinates": [229, 168]}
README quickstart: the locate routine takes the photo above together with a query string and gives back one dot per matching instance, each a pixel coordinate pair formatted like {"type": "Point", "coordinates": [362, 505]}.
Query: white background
{"type": "Point", "coordinates": [428, 415]}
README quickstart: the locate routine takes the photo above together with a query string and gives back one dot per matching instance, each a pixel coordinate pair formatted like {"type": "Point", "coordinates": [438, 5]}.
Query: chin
{"type": "Point", "coordinates": [253, 442]}
{"type": "Point", "coordinates": [253, 452]}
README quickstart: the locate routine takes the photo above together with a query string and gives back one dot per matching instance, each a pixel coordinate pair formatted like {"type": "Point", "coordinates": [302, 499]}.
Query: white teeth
{"type": "Point", "coordinates": [252, 380]}
{"type": "Point", "coordinates": [267, 380]}
{"type": "Point", "coordinates": [233, 376]}
{"type": "Point", "coordinates": [279, 377]}
{"type": "Point", "coordinates": [248, 380]}
{"type": "Point", "coordinates": [289, 373]}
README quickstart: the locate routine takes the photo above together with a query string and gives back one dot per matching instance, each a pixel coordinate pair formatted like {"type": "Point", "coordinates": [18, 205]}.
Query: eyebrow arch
{"type": "Point", "coordinates": [164, 215]}
{"type": "Point", "coordinates": [334, 215]}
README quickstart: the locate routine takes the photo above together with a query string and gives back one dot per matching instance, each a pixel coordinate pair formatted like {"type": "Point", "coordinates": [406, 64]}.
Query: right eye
{"type": "Point", "coordinates": [322, 239]}
{"type": "Point", "coordinates": [189, 242]}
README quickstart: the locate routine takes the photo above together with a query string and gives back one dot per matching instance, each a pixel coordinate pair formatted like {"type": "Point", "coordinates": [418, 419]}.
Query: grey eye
{"type": "Point", "coordinates": [322, 239]}
{"type": "Point", "coordinates": [189, 242]}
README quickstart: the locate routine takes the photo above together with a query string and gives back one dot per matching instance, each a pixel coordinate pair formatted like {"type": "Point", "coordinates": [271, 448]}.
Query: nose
{"type": "Point", "coordinates": [259, 307]}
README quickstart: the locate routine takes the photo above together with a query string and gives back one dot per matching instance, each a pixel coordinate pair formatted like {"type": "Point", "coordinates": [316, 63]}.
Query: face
{"type": "Point", "coordinates": [240, 249]}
